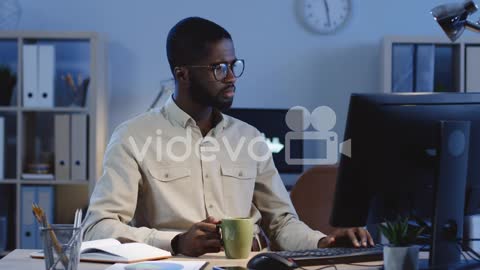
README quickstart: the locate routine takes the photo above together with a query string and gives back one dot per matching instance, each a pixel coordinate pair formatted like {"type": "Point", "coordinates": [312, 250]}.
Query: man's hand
{"type": "Point", "coordinates": [203, 237]}
{"type": "Point", "coordinates": [358, 237]}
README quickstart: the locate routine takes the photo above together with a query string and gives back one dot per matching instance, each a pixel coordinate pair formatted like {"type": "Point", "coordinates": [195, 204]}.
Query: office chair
{"type": "Point", "coordinates": [312, 196]}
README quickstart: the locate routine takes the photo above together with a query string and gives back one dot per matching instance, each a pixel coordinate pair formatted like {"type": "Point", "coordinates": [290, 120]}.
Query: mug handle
{"type": "Point", "coordinates": [219, 230]}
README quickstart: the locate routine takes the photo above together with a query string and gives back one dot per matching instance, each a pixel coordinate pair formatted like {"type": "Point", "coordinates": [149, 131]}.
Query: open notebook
{"type": "Point", "coordinates": [112, 251]}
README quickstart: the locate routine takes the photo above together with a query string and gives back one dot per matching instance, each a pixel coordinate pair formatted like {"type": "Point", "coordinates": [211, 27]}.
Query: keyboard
{"type": "Point", "coordinates": [335, 255]}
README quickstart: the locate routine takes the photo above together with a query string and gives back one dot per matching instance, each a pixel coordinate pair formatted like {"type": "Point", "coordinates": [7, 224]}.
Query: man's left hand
{"type": "Point", "coordinates": [359, 237]}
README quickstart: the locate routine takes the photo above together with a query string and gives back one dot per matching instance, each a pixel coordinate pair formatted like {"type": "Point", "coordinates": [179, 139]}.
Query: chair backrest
{"type": "Point", "coordinates": [312, 196]}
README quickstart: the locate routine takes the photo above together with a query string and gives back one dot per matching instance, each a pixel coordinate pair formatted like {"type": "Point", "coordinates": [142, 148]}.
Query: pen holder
{"type": "Point", "coordinates": [61, 246]}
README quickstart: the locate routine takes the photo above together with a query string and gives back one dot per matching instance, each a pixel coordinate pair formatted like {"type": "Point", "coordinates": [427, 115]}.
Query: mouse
{"type": "Point", "coordinates": [270, 261]}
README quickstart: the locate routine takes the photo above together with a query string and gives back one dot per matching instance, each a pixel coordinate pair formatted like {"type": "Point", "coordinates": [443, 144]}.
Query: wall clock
{"type": "Point", "coordinates": [325, 16]}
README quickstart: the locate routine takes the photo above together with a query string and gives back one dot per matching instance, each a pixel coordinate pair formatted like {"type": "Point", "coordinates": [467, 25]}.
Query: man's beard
{"type": "Point", "coordinates": [201, 95]}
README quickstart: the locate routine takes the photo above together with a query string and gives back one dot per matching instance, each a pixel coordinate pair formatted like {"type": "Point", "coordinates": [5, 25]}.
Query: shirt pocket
{"type": "Point", "coordinates": [238, 187]}
{"type": "Point", "coordinates": [170, 174]}
{"type": "Point", "coordinates": [171, 188]}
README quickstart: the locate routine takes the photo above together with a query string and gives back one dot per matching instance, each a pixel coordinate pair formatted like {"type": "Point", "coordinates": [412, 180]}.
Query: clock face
{"type": "Point", "coordinates": [325, 16]}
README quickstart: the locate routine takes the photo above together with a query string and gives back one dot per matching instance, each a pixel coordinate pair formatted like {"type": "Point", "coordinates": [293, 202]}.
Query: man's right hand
{"type": "Point", "coordinates": [203, 237]}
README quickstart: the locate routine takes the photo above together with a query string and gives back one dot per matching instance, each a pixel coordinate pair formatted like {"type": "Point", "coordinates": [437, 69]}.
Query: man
{"type": "Point", "coordinates": [171, 174]}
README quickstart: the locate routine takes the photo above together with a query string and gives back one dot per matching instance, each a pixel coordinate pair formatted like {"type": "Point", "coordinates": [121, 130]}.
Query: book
{"type": "Point", "coordinates": [472, 66]}
{"type": "Point", "coordinates": [38, 75]}
{"type": "Point", "coordinates": [37, 176]}
{"type": "Point", "coordinates": [425, 67]}
{"type": "Point", "coordinates": [184, 265]}
{"type": "Point", "coordinates": [445, 78]}
{"type": "Point", "coordinates": [2, 146]}
{"type": "Point", "coordinates": [112, 251]}
{"type": "Point", "coordinates": [402, 67]}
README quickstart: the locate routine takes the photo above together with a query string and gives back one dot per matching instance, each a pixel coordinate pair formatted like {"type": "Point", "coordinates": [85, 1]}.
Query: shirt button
{"type": "Point", "coordinates": [206, 175]}
{"type": "Point", "coordinates": [210, 206]}
{"type": "Point", "coordinates": [240, 174]}
{"type": "Point", "coordinates": [166, 175]}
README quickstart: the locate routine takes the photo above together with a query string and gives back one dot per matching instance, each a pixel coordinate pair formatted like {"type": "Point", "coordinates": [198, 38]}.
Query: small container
{"type": "Point", "coordinates": [401, 258]}
{"type": "Point", "coordinates": [39, 168]}
{"type": "Point", "coordinates": [61, 246]}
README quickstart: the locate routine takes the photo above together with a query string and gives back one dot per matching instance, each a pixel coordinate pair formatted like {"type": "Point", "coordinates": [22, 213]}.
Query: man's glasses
{"type": "Point", "coordinates": [220, 70]}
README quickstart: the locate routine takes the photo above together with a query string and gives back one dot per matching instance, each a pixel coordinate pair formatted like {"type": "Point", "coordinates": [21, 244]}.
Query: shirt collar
{"type": "Point", "coordinates": [221, 121]}
{"type": "Point", "coordinates": [176, 114]}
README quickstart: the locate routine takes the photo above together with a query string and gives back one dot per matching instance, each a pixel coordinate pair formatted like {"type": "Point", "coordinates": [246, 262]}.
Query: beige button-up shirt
{"type": "Point", "coordinates": [161, 175]}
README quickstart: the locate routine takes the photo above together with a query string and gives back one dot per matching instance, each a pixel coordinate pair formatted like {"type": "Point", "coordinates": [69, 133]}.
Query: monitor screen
{"type": "Point", "coordinates": [271, 122]}
{"type": "Point", "coordinates": [414, 155]}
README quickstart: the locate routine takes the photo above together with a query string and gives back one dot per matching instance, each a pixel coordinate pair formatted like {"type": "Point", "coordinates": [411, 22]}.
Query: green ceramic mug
{"type": "Point", "coordinates": [237, 236]}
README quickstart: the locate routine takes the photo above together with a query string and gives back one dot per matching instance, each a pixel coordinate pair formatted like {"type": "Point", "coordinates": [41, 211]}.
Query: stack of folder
{"type": "Point", "coordinates": [29, 232]}
{"type": "Point", "coordinates": [71, 147]}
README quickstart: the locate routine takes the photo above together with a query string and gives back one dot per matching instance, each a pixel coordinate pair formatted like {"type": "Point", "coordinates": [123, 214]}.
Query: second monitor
{"type": "Point", "coordinates": [271, 122]}
{"type": "Point", "coordinates": [412, 153]}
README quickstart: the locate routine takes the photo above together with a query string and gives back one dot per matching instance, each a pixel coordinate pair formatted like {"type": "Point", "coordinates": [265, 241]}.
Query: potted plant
{"type": "Point", "coordinates": [8, 80]}
{"type": "Point", "coordinates": [401, 253]}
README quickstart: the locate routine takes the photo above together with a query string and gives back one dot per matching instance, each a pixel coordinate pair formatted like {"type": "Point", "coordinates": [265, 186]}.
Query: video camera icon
{"type": "Point", "coordinates": [323, 120]}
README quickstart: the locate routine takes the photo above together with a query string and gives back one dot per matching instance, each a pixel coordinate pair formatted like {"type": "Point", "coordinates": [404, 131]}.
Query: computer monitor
{"type": "Point", "coordinates": [271, 122]}
{"type": "Point", "coordinates": [411, 153]}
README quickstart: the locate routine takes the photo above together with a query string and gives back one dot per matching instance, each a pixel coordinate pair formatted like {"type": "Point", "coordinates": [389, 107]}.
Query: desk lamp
{"type": "Point", "coordinates": [453, 18]}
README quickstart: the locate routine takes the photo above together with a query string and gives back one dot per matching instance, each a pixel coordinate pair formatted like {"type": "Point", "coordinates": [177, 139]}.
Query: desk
{"type": "Point", "coordinates": [19, 259]}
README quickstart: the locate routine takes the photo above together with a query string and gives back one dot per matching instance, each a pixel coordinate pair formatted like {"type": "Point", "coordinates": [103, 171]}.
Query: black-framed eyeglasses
{"type": "Point", "coordinates": [220, 70]}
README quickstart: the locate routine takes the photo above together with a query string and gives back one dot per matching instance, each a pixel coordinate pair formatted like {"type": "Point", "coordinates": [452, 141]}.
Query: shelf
{"type": "Point", "coordinates": [55, 109]}
{"type": "Point", "coordinates": [54, 182]}
{"type": "Point", "coordinates": [29, 126]}
{"type": "Point", "coordinates": [48, 35]}
{"type": "Point", "coordinates": [429, 63]}
{"type": "Point", "coordinates": [40, 109]}
{"type": "Point", "coordinates": [8, 108]}
{"type": "Point", "coordinates": [8, 181]}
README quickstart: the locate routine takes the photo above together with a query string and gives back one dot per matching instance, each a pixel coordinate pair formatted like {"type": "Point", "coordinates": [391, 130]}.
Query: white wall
{"type": "Point", "coordinates": [284, 60]}
{"type": "Point", "coordinates": [286, 65]}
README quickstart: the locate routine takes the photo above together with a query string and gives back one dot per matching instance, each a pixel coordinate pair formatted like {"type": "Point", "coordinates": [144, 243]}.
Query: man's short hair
{"type": "Point", "coordinates": [188, 40]}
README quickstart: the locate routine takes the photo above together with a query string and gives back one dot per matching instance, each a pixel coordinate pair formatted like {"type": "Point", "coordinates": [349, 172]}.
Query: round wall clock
{"type": "Point", "coordinates": [325, 16]}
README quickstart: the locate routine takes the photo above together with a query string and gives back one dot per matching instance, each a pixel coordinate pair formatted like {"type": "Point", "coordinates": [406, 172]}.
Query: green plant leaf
{"type": "Point", "coordinates": [386, 231]}
{"type": "Point", "coordinates": [399, 232]}
{"type": "Point", "coordinates": [391, 232]}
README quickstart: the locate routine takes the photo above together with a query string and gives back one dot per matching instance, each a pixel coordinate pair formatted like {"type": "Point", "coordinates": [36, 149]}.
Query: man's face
{"type": "Point", "coordinates": [204, 88]}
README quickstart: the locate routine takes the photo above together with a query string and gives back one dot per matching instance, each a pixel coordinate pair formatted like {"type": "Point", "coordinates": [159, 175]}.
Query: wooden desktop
{"type": "Point", "coordinates": [19, 259]}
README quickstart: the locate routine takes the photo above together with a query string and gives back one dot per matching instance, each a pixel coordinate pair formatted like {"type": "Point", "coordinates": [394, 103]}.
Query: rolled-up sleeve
{"type": "Point", "coordinates": [114, 199]}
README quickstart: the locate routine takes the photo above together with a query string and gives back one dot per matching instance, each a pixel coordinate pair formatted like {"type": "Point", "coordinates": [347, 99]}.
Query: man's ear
{"type": "Point", "coordinates": [180, 73]}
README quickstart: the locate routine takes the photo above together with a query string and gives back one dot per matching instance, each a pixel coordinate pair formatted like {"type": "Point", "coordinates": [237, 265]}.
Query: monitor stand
{"type": "Point", "coordinates": [449, 196]}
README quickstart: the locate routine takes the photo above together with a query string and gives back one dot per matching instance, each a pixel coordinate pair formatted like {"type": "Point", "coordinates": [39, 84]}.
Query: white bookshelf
{"type": "Point", "coordinates": [24, 123]}
{"type": "Point", "coordinates": [461, 56]}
